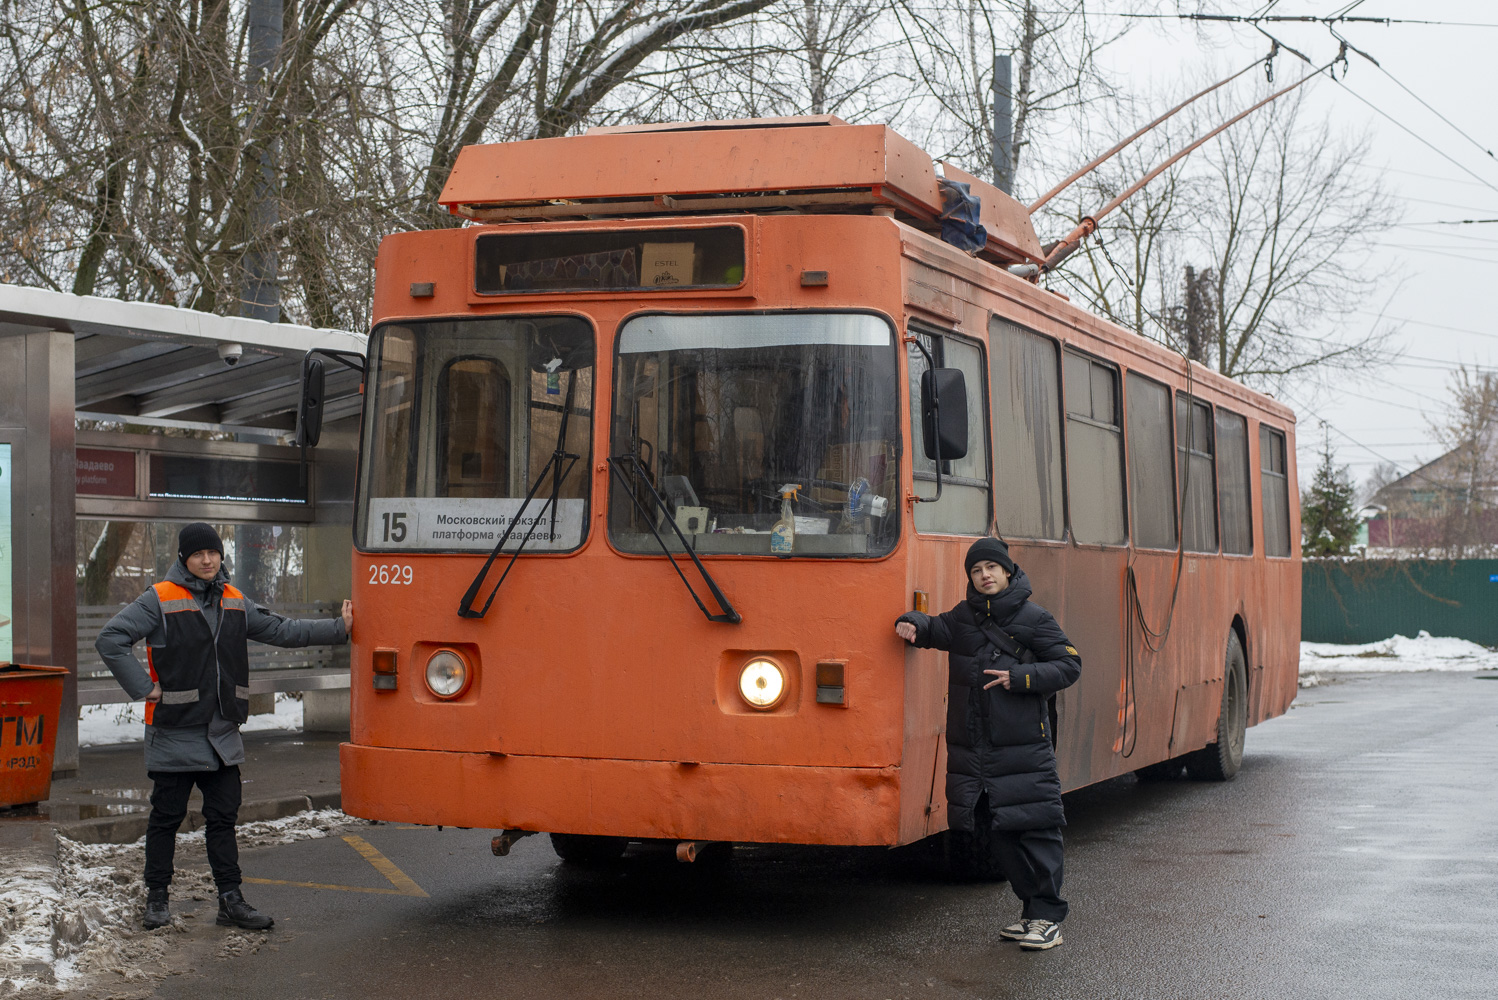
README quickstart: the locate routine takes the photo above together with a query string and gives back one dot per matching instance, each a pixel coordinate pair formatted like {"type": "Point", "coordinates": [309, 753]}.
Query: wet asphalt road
{"type": "Point", "coordinates": [1356, 855]}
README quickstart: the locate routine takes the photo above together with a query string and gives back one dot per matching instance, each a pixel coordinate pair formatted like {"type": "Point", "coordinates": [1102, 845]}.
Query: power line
{"type": "Point", "coordinates": [1415, 135]}
{"type": "Point", "coordinates": [1421, 322]}
{"type": "Point", "coordinates": [1424, 103]}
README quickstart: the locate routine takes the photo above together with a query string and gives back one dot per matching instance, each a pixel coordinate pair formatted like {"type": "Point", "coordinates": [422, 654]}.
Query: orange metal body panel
{"type": "Point", "coordinates": [674, 163]}
{"type": "Point", "coordinates": [639, 799]}
{"type": "Point", "coordinates": [637, 163]}
{"type": "Point", "coordinates": [598, 705]}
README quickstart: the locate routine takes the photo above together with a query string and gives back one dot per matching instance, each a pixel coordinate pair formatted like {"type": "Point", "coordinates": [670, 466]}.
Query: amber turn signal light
{"type": "Point", "coordinates": [383, 661]}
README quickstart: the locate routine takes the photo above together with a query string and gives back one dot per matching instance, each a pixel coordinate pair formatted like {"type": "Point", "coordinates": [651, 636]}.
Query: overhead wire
{"type": "Point", "coordinates": [1423, 102]}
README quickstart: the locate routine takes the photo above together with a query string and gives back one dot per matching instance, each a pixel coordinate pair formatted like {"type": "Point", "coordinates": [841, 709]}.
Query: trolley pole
{"type": "Point", "coordinates": [1003, 126]}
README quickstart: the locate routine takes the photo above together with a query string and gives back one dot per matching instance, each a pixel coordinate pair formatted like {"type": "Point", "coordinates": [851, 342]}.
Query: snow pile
{"type": "Point", "coordinates": [1399, 654]}
{"type": "Point", "coordinates": [62, 929]}
{"type": "Point", "coordinates": [104, 725]}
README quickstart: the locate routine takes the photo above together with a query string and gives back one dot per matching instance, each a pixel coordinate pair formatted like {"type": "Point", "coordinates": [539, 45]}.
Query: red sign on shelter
{"type": "Point", "coordinates": [103, 472]}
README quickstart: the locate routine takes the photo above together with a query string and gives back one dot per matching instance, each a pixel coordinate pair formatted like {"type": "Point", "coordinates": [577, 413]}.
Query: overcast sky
{"type": "Point", "coordinates": [1446, 275]}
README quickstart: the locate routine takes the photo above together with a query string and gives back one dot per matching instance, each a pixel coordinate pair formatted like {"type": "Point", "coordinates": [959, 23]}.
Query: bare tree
{"type": "Point", "coordinates": [1280, 214]}
{"type": "Point", "coordinates": [1467, 475]}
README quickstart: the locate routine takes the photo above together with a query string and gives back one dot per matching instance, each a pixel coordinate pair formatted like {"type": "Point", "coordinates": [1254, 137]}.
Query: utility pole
{"type": "Point", "coordinates": [261, 298]}
{"type": "Point", "coordinates": [1003, 126]}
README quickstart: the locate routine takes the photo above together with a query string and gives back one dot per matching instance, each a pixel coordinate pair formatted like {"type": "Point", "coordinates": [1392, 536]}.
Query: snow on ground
{"type": "Point", "coordinates": [67, 927]}
{"type": "Point", "coordinates": [1398, 654]}
{"type": "Point", "coordinates": [103, 725]}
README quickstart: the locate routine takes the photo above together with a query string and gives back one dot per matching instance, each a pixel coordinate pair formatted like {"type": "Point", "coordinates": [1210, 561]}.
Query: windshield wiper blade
{"type": "Point", "coordinates": [617, 464]}
{"type": "Point", "coordinates": [554, 465]}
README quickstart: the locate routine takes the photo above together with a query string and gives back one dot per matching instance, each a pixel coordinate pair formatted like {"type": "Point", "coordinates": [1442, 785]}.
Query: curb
{"type": "Point", "coordinates": [128, 829]}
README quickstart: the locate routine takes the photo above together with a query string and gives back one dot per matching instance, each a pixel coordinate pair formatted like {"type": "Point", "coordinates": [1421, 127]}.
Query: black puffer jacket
{"type": "Point", "coordinates": [999, 740]}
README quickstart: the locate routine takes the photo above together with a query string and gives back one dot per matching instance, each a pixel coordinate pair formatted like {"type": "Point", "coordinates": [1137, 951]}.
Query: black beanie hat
{"type": "Point", "coordinates": [994, 549]}
{"type": "Point", "coordinates": [196, 537]}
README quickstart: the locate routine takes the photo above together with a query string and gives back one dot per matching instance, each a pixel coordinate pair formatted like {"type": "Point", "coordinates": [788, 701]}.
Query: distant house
{"type": "Point", "coordinates": [1446, 507]}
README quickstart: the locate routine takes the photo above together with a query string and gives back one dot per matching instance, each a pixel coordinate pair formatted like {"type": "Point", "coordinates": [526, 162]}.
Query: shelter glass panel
{"type": "Point", "coordinates": [1026, 398]}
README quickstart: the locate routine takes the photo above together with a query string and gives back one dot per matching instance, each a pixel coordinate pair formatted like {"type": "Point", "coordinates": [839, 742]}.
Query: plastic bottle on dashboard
{"type": "Point", "coordinates": [783, 534]}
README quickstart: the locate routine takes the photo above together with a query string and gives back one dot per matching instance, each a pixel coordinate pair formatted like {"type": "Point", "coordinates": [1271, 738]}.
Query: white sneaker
{"type": "Point", "coordinates": [1015, 931]}
{"type": "Point", "coordinates": [1042, 935]}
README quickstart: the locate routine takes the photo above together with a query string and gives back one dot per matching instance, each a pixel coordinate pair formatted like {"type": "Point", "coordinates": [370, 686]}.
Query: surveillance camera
{"type": "Point", "coordinates": [231, 353]}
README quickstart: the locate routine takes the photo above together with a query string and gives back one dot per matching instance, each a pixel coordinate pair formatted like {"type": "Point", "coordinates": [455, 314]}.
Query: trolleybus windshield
{"type": "Point", "coordinates": [727, 414]}
{"type": "Point", "coordinates": [460, 419]}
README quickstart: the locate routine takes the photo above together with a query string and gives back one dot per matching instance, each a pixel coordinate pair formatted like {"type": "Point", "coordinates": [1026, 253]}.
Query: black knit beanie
{"type": "Point", "coordinates": [196, 537]}
{"type": "Point", "coordinates": [994, 549]}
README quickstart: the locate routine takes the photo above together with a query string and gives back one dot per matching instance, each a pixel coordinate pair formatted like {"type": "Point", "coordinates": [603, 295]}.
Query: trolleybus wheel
{"type": "Point", "coordinates": [1220, 760]}
{"type": "Point", "coordinates": [581, 849]}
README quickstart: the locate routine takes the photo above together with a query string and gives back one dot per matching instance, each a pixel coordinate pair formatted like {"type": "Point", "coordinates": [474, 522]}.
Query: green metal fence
{"type": "Point", "coordinates": [1369, 600]}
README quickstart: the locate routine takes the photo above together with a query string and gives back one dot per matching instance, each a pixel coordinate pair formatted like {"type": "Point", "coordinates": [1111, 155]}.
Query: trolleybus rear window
{"type": "Point", "coordinates": [730, 417]}
{"type": "Point", "coordinates": [463, 418]}
{"type": "Point", "coordinates": [579, 261]}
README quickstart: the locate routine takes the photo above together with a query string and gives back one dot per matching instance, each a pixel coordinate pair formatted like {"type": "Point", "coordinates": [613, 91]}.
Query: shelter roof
{"type": "Point", "coordinates": [158, 364]}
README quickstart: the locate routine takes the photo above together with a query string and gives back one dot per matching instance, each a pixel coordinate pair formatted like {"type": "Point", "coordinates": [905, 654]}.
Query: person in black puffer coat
{"type": "Point", "coordinates": [1007, 657]}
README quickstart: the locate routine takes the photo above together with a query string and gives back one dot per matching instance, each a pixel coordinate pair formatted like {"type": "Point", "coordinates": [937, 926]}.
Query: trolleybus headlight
{"type": "Point", "coordinates": [762, 683]}
{"type": "Point", "coordinates": [447, 674]}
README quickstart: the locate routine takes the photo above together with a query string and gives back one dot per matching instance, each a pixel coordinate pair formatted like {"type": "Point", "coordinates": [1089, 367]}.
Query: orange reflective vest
{"type": "Point", "coordinates": [199, 668]}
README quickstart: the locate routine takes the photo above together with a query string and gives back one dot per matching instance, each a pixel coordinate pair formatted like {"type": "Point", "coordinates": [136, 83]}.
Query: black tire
{"type": "Point", "coordinates": [1166, 770]}
{"type": "Point", "coordinates": [1220, 760]}
{"type": "Point", "coordinates": [581, 849]}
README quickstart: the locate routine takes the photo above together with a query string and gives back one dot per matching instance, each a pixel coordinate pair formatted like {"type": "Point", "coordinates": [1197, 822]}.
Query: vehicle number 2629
{"type": "Point", "coordinates": [388, 573]}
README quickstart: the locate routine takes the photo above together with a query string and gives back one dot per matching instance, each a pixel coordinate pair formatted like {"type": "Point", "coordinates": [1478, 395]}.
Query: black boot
{"type": "Point", "coordinates": [233, 911]}
{"type": "Point", "coordinates": [157, 912]}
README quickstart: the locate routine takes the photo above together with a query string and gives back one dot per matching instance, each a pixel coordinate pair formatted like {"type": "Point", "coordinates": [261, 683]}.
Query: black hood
{"type": "Point", "coordinates": [1003, 606]}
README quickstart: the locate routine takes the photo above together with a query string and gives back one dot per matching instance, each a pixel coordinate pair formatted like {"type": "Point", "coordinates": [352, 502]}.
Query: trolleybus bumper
{"type": "Point", "coordinates": [640, 799]}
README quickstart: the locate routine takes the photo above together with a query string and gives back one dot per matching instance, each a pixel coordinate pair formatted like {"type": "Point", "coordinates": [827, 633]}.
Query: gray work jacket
{"type": "Point", "coordinates": [206, 747]}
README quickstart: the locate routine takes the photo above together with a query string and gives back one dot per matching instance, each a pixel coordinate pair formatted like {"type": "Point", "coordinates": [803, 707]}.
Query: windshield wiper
{"type": "Point", "coordinates": [617, 464]}
{"type": "Point", "coordinates": [559, 465]}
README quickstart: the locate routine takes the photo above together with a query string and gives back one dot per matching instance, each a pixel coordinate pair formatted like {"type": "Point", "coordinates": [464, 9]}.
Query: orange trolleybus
{"type": "Point", "coordinates": [650, 466]}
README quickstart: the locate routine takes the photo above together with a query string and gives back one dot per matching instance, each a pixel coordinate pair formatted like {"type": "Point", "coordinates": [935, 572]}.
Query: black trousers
{"type": "Point", "coordinates": [1031, 860]}
{"type": "Point", "coordinates": [221, 795]}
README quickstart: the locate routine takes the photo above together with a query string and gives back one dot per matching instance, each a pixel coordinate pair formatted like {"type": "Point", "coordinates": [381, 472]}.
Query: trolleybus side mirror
{"type": "Point", "coordinates": [309, 407]}
{"type": "Point", "coordinates": [944, 413]}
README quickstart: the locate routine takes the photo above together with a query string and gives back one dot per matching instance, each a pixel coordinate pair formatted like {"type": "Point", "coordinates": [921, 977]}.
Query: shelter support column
{"type": "Point", "coordinates": [36, 429]}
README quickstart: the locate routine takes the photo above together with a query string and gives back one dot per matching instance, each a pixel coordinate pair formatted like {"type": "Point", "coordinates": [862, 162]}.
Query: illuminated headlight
{"type": "Point", "coordinates": [762, 683]}
{"type": "Point", "coordinates": [447, 674]}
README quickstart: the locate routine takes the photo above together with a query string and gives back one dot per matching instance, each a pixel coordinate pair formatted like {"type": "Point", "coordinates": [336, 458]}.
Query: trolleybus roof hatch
{"type": "Point", "coordinates": [705, 167]}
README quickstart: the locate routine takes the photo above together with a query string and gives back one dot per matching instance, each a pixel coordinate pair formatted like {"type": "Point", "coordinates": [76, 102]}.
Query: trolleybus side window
{"type": "Point", "coordinates": [1094, 451]}
{"type": "Point", "coordinates": [1233, 481]}
{"type": "Point", "coordinates": [1026, 395]}
{"type": "Point", "coordinates": [452, 448]}
{"type": "Point", "coordinates": [964, 507]}
{"type": "Point", "coordinates": [1198, 480]}
{"type": "Point", "coordinates": [473, 430]}
{"type": "Point", "coordinates": [1275, 484]}
{"type": "Point", "coordinates": [730, 416]}
{"type": "Point", "coordinates": [1152, 493]}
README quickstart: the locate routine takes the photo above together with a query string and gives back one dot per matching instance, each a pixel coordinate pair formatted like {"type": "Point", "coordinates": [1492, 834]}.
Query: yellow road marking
{"type": "Point", "coordinates": [403, 885]}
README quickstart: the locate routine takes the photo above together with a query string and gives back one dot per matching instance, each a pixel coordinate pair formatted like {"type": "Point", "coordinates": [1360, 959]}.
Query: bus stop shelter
{"type": "Point", "coordinates": [67, 358]}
